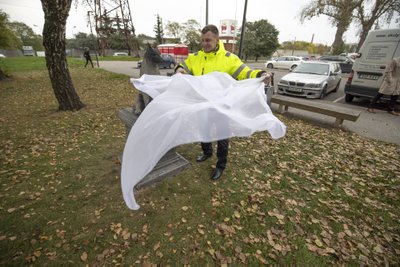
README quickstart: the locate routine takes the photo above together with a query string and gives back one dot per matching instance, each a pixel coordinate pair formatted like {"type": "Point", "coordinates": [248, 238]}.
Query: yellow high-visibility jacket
{"type": "Point", "coordinates": [201, 63]}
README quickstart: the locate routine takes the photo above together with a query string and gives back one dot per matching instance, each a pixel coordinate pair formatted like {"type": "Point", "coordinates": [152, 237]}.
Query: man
{"type": "Point", "coordinates": [214, 57]}
{"type": "Point", "coordinates": [86, 54]}
{"type": "Point", "coordinates": [390, 87]}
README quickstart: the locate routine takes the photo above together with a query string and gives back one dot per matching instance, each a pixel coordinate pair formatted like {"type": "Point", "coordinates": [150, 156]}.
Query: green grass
{"type": "Point", "coordinates": [18, 64]}
{"type": "Point", "coordinates": [309, 199]}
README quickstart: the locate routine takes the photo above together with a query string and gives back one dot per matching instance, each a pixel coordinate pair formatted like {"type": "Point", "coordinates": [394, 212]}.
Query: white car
{"type": "Point", "coordinates": [1, 55]}
{"type": "Point", "coordinates": [313, 79]}
{"type": "Point", "coordinates": [116, 54]}
{"type": "Point", "coordinates": [285, 62]}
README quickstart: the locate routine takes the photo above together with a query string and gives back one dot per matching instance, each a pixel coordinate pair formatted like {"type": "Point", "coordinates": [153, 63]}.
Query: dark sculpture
{"type": "Point", "coordinates": [149, 66]}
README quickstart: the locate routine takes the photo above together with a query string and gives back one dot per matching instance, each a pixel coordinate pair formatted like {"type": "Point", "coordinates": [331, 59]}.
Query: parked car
{"type": "Point", "coordinates": [346, 63]}
{"type": "Point", "coordinates": [350, 55]}
{"type": "Point", "coordinates": [285, 62]}
{"type": "Point", "coordinates": [1, 55]}
{"type": "Point", "coordinates": [169, 62]}
{"type": "Point", "coordinates": [116, 54]}
{"type": "Point", "coordinates": [28, 51]}
{"type": "Point", "coordinates": [313, 79]}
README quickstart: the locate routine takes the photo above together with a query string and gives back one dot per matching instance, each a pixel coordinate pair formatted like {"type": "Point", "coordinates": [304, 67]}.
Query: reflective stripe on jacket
{"type": "Point", "coordinates": [223, 61]}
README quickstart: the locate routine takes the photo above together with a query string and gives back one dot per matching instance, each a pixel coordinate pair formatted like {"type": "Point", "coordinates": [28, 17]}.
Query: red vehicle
{"type": "Point", "coordinates": [178, 51]}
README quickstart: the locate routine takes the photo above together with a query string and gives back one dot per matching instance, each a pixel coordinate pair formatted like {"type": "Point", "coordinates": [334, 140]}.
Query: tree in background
{"type": "Point", "coordinates": [340, 12]}
{"type": "Point", "coordinates": [82, 40]}
{"type": "Point", "coordinates": [175, 30]}
{"type": "Point", "coordinates": [159, 31]}
{"type": "Point", "coordinates": [378, 9]}
{"type": "Point", "coordinates": [261, 39]}
{"type": "Point", "coordinates": [55, 19]}
{"type": "Point", "coordinates": [317, 49]}
{"type": "Point", "coordinates": [192, 35]}
{"type": "Point", "coordinates": [312, 49]}
{"type": "Point", "coordinates": [8, 39]}
{"type": "Point", "coordinates": [27, 35]}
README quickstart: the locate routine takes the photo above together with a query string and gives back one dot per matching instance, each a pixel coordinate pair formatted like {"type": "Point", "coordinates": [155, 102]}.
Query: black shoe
{"type": "Point", "coordinates": [216, 174]}
{"type": "Point", "coordinates": [203, 158]}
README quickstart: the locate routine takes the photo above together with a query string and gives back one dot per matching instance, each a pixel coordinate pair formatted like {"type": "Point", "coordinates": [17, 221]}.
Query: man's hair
{"type": "Point", "coordinates": [210, 28]}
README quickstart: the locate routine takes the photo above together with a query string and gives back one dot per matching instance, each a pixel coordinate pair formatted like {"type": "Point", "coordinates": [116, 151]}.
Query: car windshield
{"type": "Point", "coordinates": [319, 69]}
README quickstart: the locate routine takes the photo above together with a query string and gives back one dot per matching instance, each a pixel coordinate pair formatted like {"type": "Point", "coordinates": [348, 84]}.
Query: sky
{"type": "Point", "coordinates": [283, 14]}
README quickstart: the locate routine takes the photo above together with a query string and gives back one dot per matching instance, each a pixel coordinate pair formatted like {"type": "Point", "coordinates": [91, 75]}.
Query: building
{"type": "Point", "coordinates": [228, 34]}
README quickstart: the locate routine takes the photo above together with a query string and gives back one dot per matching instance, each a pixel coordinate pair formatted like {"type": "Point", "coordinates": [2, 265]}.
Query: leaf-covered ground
{"type": "Point", "coordinates": [319, 196]}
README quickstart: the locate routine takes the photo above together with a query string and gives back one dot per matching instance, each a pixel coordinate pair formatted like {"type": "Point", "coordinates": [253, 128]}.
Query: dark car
{"type": "Point", "coordinates": [346, 63]}
{"type": "Point", "coordinates": [169, 62]}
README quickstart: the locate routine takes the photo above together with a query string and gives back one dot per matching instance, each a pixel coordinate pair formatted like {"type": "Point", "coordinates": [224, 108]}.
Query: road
{"type": "Point", "coordinates": [379, 126]}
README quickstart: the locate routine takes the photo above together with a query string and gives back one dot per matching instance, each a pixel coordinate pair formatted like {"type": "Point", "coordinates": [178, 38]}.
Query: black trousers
{"type": "Point", "coordinates": [222, 152]}
{"type": "Point", "coordinates": [392, 103]}
{"type": "Point", "coordinates": [87, 61]}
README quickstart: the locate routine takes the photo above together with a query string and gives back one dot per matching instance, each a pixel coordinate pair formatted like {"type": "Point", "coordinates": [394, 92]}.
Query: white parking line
{"type": "Point", "coordinates": [337, 100]}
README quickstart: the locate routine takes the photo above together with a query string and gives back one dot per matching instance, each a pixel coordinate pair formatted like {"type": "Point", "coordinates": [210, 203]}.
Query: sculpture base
{"type": "Point", "coordinates": [169, 165]}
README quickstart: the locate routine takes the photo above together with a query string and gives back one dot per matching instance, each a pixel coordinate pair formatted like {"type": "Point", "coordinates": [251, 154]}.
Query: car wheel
{"type": "Point", "coordinates": [294, 66]}
{"type": "Point", "coordinates": [337, 87]}
{"type": "Point", "coordinates": [270, 66]}
{"type": "Point", "coordinates": [323, 92]}
{"type": "Point", "coordinates": [348, 98]}
{"type": "Point", "coordinates": [171, 65]}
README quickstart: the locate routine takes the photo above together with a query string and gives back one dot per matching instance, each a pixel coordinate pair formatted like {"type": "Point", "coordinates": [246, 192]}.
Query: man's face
{"type": "Point", "coordinates": [209, 41]}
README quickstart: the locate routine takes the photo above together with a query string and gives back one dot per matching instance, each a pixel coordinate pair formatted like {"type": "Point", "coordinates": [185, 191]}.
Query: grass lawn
{"type": "Point", "coordinates": [317, 197]}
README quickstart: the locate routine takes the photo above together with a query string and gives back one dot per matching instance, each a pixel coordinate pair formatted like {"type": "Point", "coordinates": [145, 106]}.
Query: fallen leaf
{"type": "Point", "coordinates": [37, 253]}
{"type": "Point", "coordinates": [211, 252]}
{"type": "Point", "coordinates": [378, 249]}
{"type": "Point", "coordinates": [278, 247]}
{"type": "Point", "coordinates": [312, 247]}
{"type": "Point", "coordinates": [330, 250]}
{"type": "Point", "coordinates": [156, 246]}
{"type": "Point", "coordinates": [318, 242]}
{"type": "Point", "coordinates": [11, 210]}
{"type": "Point", "coordinates": [84, 256]}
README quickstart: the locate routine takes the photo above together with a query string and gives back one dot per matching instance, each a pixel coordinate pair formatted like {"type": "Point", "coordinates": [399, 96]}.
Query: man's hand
{"type": "Point", "coordinates": [180, 70]}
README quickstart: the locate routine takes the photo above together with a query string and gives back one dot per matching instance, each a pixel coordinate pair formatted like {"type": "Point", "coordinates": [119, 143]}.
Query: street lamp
{"type": "Point", "coordinates": [206, 12]}
{"type": "Point", "coordinates": [243, 30]}
{"type": "Point", "coordinates": [40, 31]}
{"type": "Point", "coordinates": [73, 31]}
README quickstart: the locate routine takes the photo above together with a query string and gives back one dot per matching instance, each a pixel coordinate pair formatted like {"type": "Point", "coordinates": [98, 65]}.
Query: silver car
{"type": "Point", "coordinates": [285, 62]}
{"type": "Point", "coordinates": [311, 80]}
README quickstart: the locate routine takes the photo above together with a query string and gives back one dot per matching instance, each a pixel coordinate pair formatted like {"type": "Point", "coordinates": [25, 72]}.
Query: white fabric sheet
{"type": "Point", "coordinates": [187, 109]}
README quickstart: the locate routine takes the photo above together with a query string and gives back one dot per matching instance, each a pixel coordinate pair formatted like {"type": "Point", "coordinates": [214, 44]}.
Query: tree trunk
{"type": "Point", "coordinates": [3, 76]}
{"type": "Point", "coordinates": [338, 44]}
{"type": "Point", "coordinates": [56, 14]}
{"type": "Point", "coordinates": [364, 32]}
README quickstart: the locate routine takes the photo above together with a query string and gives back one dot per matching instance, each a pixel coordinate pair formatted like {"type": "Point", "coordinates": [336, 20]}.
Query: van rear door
{"type": "Point", "coordinates": [376, 53]}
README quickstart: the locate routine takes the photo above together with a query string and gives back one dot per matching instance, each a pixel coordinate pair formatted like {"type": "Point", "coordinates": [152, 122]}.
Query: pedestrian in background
{"type": "Point", "coordinates": [389, 87]}
{"type": "Point", "coordinates": [86, 54]}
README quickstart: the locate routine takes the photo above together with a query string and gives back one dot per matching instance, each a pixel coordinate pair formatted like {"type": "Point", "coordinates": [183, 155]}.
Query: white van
{"type": "Point", "coordinates": [377, 51]}
{"type": "Point", "coordinates": [28, 51]}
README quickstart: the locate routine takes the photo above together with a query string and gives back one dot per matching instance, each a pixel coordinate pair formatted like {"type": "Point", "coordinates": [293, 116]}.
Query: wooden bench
{"type": "Point", "coordinates": [340, 113]}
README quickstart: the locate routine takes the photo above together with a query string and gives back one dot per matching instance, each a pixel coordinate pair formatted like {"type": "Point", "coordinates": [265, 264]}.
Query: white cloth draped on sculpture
{"type": "Point", "coordinates": [187, 109]}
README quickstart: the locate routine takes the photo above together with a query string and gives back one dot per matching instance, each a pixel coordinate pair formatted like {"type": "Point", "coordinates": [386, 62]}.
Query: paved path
{"type": "Point", "coordinates": [379, 126]}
